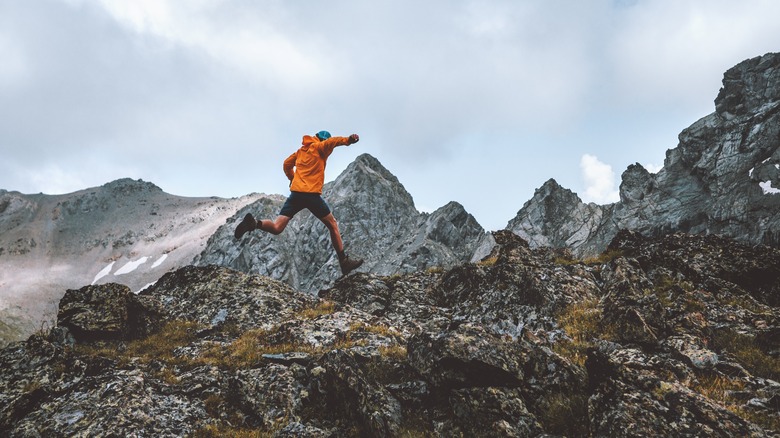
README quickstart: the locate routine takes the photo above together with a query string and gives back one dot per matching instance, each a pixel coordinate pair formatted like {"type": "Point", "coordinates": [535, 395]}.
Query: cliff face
{"type": "Point", "coordinates": [723, 178]}
{"type": "Point", "coordinates": [378, 222]}
{"type": "Point", "coordinates": [676, 336]}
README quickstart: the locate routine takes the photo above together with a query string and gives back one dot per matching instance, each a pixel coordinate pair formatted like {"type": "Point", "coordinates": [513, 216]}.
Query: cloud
{"type": "Point", "coordinates": [653, 168]}
{"type": "Point", "coordinates": [599, 181]}
{"type": "Point", "coordinates": [671, 53]}
{"type": "Point", "coordinates": [207, 97]}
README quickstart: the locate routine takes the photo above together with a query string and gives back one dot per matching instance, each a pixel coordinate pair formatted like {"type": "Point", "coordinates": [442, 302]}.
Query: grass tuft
{"type": "Point", "coordinates": [322, 308]}
{"type": "Point", "coordinates": [488, 262]}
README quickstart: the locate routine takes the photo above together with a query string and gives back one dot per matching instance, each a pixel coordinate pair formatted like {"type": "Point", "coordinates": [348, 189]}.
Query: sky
{"type": "Point", "coordinates": [478, 102]}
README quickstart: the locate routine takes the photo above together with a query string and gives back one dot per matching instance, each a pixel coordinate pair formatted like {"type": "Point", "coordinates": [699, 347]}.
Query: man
{"type": "Point", "coordinates": [306, 171]}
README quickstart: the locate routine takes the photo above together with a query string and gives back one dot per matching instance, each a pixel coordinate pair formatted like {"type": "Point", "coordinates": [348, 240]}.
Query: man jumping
{"type": "Point", "coordinates": [305, 169]}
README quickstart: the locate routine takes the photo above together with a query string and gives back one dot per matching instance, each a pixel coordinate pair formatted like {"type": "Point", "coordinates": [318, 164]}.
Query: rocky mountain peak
{"type": "Point", "coordinates": [378, 222]}
{"type": "Point", "coordinates": [722, 178]}
{"type": "Point", "coordinates": [634, 183]}
{"type": "Point", "coordinates": [128, 186]}
{"type": "Point", "coordinates": [367, 182]}
{"type": "Point", "coordinates": [749, 86]}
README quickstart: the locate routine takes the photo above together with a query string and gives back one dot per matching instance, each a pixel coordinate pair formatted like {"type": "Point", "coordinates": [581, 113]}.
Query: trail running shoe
{"type": "Point", "coordinates": [248, 224]}
{"type": "Point", "coordinates": [349, 264]}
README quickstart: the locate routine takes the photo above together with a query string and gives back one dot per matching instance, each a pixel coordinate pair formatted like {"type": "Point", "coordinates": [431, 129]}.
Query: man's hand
{"type": "Point", "coordinates": [354, 138]}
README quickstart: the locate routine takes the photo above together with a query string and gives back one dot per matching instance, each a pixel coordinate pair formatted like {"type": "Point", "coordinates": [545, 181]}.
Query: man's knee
{"type": "Point", "coordinates": [329, 221]}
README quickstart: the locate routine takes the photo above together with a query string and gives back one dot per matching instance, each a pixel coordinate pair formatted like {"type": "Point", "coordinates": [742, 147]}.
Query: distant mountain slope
{"type": "Point", "coordinates": [126, 231]}
{"type": "Point", "coordinates": [378, 222]}
{"type": "Point", "coordinates": [723, 178]}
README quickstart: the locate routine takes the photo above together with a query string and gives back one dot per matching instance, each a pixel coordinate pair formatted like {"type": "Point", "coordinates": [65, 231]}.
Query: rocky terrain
{"type": "Point", "coordinates": [723, 178]}
{"type": "Point", "coordinates": [378, 222]}
{"type": "Point", "coordinates": [125, 231]}
{"type": "Point", "coordinates": [671, 336]}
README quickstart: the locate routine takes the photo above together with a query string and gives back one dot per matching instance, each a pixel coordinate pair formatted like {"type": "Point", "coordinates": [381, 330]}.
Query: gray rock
{"type": "Point", "coordinates": [107, 312]}
{"type": "Point", "coordinates": [722, 178]}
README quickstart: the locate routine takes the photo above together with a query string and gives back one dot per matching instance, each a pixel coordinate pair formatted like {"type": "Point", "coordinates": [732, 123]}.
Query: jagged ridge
{"type": "Point", "coordinates": [723, 178]}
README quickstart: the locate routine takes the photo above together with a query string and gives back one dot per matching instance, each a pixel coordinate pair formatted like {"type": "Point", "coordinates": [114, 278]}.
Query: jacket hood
{"type": "Point", "coordinates": [308, 140]}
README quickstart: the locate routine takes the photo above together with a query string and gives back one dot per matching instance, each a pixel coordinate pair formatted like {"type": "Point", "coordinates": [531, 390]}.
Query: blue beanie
{"type": "Point", "coordinates": [323, 135]}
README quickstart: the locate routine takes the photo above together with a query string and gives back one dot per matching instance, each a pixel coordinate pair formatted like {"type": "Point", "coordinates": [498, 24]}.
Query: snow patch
{"type": "Point", "coordinates": [159, 261]}
{"type": "Point", "coordinates": [145, 287]}
{"type": "Point", "coordinates": [750, 172]}
{"type": "Point", "coordinates": [131, 266]}
{"type": "Point", "coordinates": [103, 272]}
{"type": "Point", "coordinates": [766, 186]}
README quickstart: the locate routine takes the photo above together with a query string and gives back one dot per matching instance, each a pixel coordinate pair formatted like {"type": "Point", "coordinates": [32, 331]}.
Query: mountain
{"type": "Point", "coordinates": [669, 336]}
{"type": "Point", "coordinates": [125, 231]}
{"type": "Point", "coordinates": [723, 178]}
{"type": "Point", "coordinates": [378, 222]}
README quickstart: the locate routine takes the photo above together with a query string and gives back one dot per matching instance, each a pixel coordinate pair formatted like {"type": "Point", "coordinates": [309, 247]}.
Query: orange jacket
{"type": "Point", "coordinates": [309, 162]}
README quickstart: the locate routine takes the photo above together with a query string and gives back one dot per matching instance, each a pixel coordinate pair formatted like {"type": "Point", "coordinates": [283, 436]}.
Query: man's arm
{"type": "Point", "coordinates": [328, 145]}
{"type": "Point", "coordinates": [289, 164]}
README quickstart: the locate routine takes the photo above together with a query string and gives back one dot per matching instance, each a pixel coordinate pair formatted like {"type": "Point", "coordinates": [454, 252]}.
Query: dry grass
{"type": "Point", "coordinates": [159, 346]}
{"type": "Point", "coordinates": [605, 257]}
{"type": "Point", "coordinates": [564, 414]}
{"type": "Point", "coordinates": [394, 352]}
{"type": "Point", "coordinates": [487, 262]}
{"type": "Point", "coordinates": [376, 329]}
{"type": "Point", "coordinates": [745, 350]}
{"type": "Point", "coordinates": [247, 351]}
{"type": "Point", "coordinates": [718, 388]}
{"type": "Point", "coordinates": [322, 308]}
{"type": "Point", "coordinates": [582, 323]}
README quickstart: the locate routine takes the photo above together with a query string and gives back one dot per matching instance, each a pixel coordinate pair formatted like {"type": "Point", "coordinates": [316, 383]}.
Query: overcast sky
{"type": "Point", "coordinates": [478, 102]}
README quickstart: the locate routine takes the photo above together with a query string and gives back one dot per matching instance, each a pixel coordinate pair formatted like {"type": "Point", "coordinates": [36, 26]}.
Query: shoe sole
{"type": "Point", "coordinates": [355, 267]}
{"type": "Point", "coordinates": [245, 226]}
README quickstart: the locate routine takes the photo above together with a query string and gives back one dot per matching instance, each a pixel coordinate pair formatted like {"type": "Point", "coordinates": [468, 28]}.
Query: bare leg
{"type": "Point", "coordinates": [335, 235]}
{"type": "Point", "coordinates": [273, 227]}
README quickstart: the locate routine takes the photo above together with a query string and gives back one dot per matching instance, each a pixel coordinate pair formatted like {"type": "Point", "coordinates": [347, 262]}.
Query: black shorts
{"type": "Point", "coordinates": [297, 201]}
